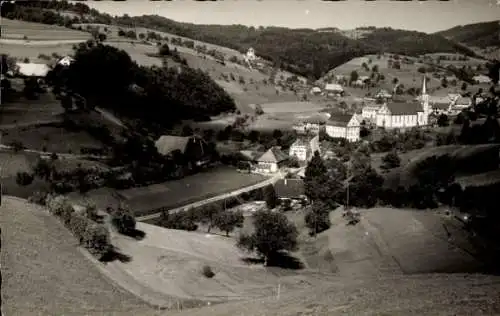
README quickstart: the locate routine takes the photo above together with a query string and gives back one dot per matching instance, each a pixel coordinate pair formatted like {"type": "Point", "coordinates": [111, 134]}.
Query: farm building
{"type": "Point", "coordinates": [344, 126]}
{"type": "Point", "coordinates": [462, 103]}
{"type": "Point", "coordinates": [271, 161]}
{"type": "Point", "coordinates": [481, 79]}
{"type": "Point", "coordinates": [383, 94]}
{"type": "Point", "coordinates": [315, 90]}
{"type": "Point", "coordinates": [32, 70]}
{"type": "Point", "coordinates": [65, 61]}
{"type": "Point", "coordinates": [290, 189]}
{"type": "Point", "coordinates": [304, 149]}
{"type": "Point", "coordinates": [193, 149]}
{"type": "Point", "coordinates": [334, 89]}
{"type": "Point", "coordinates": [369, 112]}
{"type": "Point", "coordinates": [310, 125]}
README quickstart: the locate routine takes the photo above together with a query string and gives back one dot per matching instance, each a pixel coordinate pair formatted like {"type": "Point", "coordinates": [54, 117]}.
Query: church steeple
{"type": "Point", "coordinates": [424, 86]}
{"type": "Point", "coordinates": [425, 102]}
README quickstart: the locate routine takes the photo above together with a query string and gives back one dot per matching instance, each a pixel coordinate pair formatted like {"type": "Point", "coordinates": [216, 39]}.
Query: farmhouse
{"type": "Point", "coordinates": [271, 161]}
{"type": "Point", "coordinates": [440, 105]}
{"type": "Point", "coordinates": [290, 189]}
{"type": "Point", "coordinates": [462, 102]}
{"type": "Point", "coordinates": [383, 94]}
{"type": "Point", "coordinates": [334, 89]}
{"type": "Point", "coordinates": [344, 126]}
{"type": "Point", "coordinates": [310, 125]}
{"type": "Point", "coordinates": [481, 79]}
{"type": "Point", "coordinates": [194, 149]}
{"type": "Point", "coordinates": [304, 149]}
{"type": "Point", "coordinates": [32, 70]}
{"type": "Point", "coordinates": [65, 61]}
{"type": "Point", "coordinates": [315, 90]}
{"type": "Point", "coordinates": [369, 112]}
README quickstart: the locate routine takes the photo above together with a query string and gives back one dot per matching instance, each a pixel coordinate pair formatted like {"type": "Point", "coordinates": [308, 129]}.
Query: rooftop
{"type": "Point", "coordinates": [404, 108]}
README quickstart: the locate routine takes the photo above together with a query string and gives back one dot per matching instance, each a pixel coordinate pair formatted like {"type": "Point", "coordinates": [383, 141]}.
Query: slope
{"type": "Point", "coordinates": [44, 273]}
{"type": "Point", "coordinates": [482, 35]}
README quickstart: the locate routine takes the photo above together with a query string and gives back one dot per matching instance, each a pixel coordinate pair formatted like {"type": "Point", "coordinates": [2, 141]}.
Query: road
{"type": "Point", "coordinates": [262, 184]}
{"type": "Point", "coordinates": [60, 155]}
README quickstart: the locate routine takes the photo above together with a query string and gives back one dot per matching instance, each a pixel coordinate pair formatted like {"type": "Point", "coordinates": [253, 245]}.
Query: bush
{"type": "Point", "coordinates": [123, 220]}
{"type": "Point", "coordinates": [207, 272]}
{"type": "Point", "coordinates": [38, 197]}
{"type": "Point", "coordinates": [318, 218]}
{"type": "Point", "coordinates": [23, 178]}
{"type": "Point", "coordinates": [391, 160]}
{"type": "Point", "coordinates": [96, 237]}
{"type": "Point", "coordinates": [228, 221]}
{"type": "Point", "coordinates": [78, 224]}
{"type": "Point", "coordinates": [180, 220]}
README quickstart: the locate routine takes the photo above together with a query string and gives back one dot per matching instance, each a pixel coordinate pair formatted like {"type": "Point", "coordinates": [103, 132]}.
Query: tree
{"type": "Point", "coordinates": [375, 68]}
{"type": "Point", "coordinates": [443, 120]}
{"type": "Point", "coordinates": [270, 197]}
{"type": "Point", "coordinates": [67, 102]}
{"type": "Point", "coordinates": [101, 37]}
{"type": "Point", "coordinates": [123, 219]}
{"type": "Point", "coordinates": [254, 136]}
{"type": "Point", "coordinates": [314, 171]}
{"type": "Point", "coordinates": [395, 80]}
{"type": "Point", "coordinates": [391, 160]}
{"type": "Point", "coordinates": [258, 110]}
{"type": "Point", "coordinates": [227, 221]}
{"type": "Point", "coordinates": [354, 76]}
{"type": "Point", "coordinates": [421, 70]}
{"type": "Point", "coordinates": [273, 234]}
{"type": "Point", "coordinates": [164, 50]}
{"type": "Point", "coordinates": [208, 214]}
{"type": "Point", "coordinates": [318, 218]}
{"type": "Point", "coordinates": [277, 134]}
{"type": "Point", "coordinates": [464, 86]}
{"type": "Point", "coordinates": [24, 178]}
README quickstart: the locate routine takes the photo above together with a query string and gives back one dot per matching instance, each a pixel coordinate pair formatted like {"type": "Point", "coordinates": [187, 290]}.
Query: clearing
{"type": "Point", "coordinates": [44, 272]}
{"type": "Point", "coordinates": [16, 29]}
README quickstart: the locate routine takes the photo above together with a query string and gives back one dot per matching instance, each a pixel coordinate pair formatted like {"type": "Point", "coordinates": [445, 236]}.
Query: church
{"type": "Point", "coordinates": [395, 114]}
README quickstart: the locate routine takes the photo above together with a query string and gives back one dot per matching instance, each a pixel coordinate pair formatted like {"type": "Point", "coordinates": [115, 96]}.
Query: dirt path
{"type": "Point", "coordinates": [110, 117]}
{"type": "Point", "coordinates": [39, 42]}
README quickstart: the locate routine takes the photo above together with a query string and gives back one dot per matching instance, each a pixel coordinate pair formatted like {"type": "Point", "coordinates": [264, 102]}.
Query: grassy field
{"type": "Point", "coordinates": [187, 190]}
{"type": "Point", "coordinates": [16, 29]}
{"type": "Point", "coordinates": [44, 273]}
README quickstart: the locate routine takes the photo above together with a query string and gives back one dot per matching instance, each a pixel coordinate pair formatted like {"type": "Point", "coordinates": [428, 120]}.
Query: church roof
{"type": "Point", "coordinates": [274, 154]}
{"type": "Point", "coordinates": [404, 108]}
{"type": "Point", "coordinates": [340, 119]}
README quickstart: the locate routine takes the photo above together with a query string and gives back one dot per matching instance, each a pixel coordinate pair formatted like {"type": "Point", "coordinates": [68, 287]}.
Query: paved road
{"type": "Point", "coordinates": [271, 180]}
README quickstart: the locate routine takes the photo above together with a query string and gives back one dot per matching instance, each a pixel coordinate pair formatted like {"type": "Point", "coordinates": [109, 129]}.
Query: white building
{"type": "Point", "coordinates": [334, 88]}
{"type": "Point", "coordinates": [304, 149]}
{"type": "Point", "coordinates": [65, 61]}
{"type": "Point", "coordinates": [315, 90]}
{"type": "Point", "coordinates": [481, 79]}
{"type": "Point", "coordinates": [310, 125]}
{"type": "Point", "coordinates": [369, 112]}
{"type": "Point", "coordinates": [32, 70]}
{"type": "Point", "coordinates": [344, 126]}
{"type": "Point", "coordinates": [270, 161]}
{"type": "Point", "coordinates": [462, 103]}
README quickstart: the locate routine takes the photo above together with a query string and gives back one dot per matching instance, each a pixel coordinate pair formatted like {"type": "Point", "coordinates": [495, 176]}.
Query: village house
{"type": "Point", "coordinates": [310, 125]}
{"type": "Point", "coordinates": [315, 91]}
{"type": "Point", "coordinates": [194, 149]}
{"type": "Point", "coordinates": [65, 61]}
{"type": "Point", "coordinates": [344, 126]}
{"type": "Point", "coordinates": [304, 149]}
{"type": "Point", "coordinates": [481, 79]}
{"type": "Point", "coordinates": [383, 94]}
{"type": "Point", "coordinates": [334, 89]}
{"type": "Point", "coordinates": [271, 161]}
{"type": "Point", "coordinates": [369, 112]}
{"type": "Point", "coordinates": [462, 103]}
{"type": "Point", "coordinates": [290, 189]}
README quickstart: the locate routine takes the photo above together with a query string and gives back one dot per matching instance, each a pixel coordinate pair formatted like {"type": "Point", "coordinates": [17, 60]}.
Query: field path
{"type": "Point", "coordinates": [110, 117]}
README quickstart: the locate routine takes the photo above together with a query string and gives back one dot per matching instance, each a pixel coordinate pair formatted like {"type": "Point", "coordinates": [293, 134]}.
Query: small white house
{"type": "Point", "coordinates": [65, 61]}
{"type": "Point", "coordinates": [344, 126]}
{"type": "Point", "coordinates": [316, 90]}
{"type": "Point", "coordinates": [481, 79]}
{"type": "Point", "coordinates": [32, 70]}
{"type": "Point", "coordinates": [334, 88]}
{"type": "Point", "coordinates": [462, 103]}
{"type": "Point", "coordinates": [369, 112]}
{"type": "Point", "coordinates": [270, 161]}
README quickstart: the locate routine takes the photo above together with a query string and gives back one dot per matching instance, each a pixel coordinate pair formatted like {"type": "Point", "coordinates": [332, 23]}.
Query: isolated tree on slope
{"type": "Point", "coordinates": [227, 221]}
{"type": "Point", "coordinates": [273, 234]}
{"type": "Point", "coordinates": [318, 218]}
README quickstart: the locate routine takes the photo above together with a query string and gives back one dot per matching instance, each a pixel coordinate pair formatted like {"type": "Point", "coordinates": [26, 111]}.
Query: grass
{"type": "Point", "coordinates": [193, 188]}
{"type": "Point", "coordinates": [16, 29]}
{"type": "Point", "coordinates": [51, 139]}
{"type": "Point", "coordinates": [43, 272]}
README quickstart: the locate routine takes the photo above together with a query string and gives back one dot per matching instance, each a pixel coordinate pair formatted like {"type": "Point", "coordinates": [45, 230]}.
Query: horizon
{"type": "Point", "coordinates": [426, 16]}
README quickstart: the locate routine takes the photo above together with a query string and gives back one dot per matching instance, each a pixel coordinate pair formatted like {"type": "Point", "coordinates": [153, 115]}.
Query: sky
{"type": "Point", "coordinates": [429, 16]}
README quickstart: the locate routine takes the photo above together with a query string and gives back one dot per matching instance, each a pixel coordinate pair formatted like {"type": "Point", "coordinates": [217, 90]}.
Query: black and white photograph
{"type": "Point", "coordinates": [250, 158]}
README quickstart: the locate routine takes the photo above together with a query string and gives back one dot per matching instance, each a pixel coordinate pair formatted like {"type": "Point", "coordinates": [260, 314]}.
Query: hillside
{"type": "Point", "coordinates": [481, 35]}
{"type": "Point", "coordinates": [307, 52]}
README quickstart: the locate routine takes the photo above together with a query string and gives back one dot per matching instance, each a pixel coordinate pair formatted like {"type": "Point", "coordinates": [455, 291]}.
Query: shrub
{"type": "Point", "coordinates": [78, 225]}
{"type": "Point", "coordinates": [318, 218]}
{"type": "Point", "coordinates": [58, 205]}
{"type": "Point", "coordinates": [38, 197]}
{"type": "Point", "coordinates": [391, 160]}
{"type": "Point", "coordinates": [180, 220]}
{"type": "Point", "coordinates": [123, 220]}
{"type": "Point", "coordinates": [91, 212]}
{"type": "Point", "coordinates": [207, 272]}
{"type": "Point", "coordinates": [23, 178]}
{"type": "Point", "coordinates": [96, 237]}
{"type": "Point", "coordinates": [228, 221]}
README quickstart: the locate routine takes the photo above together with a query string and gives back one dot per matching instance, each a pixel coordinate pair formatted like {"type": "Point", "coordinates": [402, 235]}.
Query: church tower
{"type": "Point", "coordinates": [425, 101]}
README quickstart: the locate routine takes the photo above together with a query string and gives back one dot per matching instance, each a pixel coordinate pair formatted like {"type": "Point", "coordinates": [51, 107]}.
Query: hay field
{"type": "Point", "coordinates": [16, 29]}
{"type": "Point", "coordinates": [44, 273]}
{"type": "Point", "coordinates": [190, 189]}
{"type": "Point", "coordinates": [171, 262]}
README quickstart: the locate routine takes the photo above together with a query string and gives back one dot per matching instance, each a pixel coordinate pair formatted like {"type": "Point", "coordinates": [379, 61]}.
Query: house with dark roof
{"type": "Point", "coordinates": [311, 124]}
{"type": "Point", "coordinates": [290, 189]}
{"type": "Point", "coordinates": [194, 149]}
{"type": "Point", "coordinates": [345, 126]}
{"type": "Point", "coordinates": [271, 161]}
{"type": "Point", "coordinates": [462, 102]}
{"type": "Point", "coordinates": [303, 149]}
